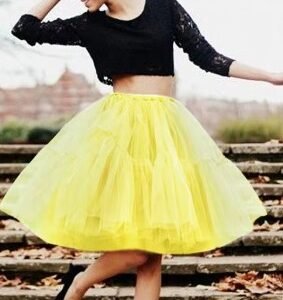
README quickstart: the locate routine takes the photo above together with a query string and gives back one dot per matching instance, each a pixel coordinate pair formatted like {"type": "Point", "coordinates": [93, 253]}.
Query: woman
{"type": "Point", "coordinates": [134, 175]}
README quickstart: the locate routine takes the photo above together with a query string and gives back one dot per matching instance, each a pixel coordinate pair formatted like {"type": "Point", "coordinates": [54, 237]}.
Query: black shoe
{"type": "Point", "coordinates": [68, 279]}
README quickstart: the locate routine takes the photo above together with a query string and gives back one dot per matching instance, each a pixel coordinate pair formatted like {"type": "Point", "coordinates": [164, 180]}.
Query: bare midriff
{"type": "Point", "coordinates": [143, 84]}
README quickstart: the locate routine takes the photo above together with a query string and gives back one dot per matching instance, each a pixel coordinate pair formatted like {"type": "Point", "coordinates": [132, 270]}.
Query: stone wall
{"type": "Point", "coordinates": [71, 93]}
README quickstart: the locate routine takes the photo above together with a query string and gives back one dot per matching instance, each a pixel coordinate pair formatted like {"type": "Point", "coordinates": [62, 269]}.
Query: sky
{"type": "Point", "coordinates": [250, 31]}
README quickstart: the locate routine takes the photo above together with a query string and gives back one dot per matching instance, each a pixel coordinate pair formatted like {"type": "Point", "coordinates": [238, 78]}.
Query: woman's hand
{"type": "Point", "coordinates": [244, 71]}
{"type": "Point", "coordinates": [276, 78]}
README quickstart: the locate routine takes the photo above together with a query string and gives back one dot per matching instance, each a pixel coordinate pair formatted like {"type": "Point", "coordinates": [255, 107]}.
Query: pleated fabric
{"type": "Point", "coordinates": [134, 172]}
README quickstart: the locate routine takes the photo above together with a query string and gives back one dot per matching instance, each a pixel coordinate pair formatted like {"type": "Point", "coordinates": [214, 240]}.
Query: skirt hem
{"type": "Point", "coordinates": [133, 243]}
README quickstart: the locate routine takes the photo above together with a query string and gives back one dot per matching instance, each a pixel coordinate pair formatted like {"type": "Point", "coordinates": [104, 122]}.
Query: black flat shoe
{"type": "Point", "coordinates": [68, 279]}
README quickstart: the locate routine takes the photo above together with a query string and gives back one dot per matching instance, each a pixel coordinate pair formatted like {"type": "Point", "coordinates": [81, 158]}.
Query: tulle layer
{"type": "Point", "coordinates": [134, 171]}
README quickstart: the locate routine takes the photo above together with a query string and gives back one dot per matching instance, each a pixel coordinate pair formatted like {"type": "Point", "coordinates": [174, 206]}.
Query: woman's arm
{"type": "Point", "coordinates": [41, 9]}
{"type": "Point", "coordinates": [243, 71]}
{"type": "Point", "coordinates": [187, 36]}
{"type": "Point", "coordinates": [72, 31]}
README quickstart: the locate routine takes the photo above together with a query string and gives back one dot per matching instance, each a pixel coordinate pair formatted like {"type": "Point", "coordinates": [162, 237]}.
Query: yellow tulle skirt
{"type": "Point", "coordinates": [134, 171]}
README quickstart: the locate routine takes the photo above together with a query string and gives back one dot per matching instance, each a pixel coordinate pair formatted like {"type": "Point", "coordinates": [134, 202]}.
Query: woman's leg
{"type": "Point", "coordinates": [107, 265]}
{"type": "Point", "coordinates": [149, 279]}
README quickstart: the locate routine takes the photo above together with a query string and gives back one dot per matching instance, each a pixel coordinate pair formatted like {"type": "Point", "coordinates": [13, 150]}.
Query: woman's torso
{"type": "Point", "coordinates": [143, 84]}
{"type": "Point", "coordinates": [134, 52]}
{"type": "Point", "coordinates": [147, 84]}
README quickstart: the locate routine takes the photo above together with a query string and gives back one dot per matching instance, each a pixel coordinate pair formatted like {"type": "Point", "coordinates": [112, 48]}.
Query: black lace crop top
{"type": "Point", "coordinates": [143, 45]}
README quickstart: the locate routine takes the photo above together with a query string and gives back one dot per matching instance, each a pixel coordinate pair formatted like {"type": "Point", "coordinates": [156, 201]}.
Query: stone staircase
{"type": "Point", "coordinates": [31, 268]}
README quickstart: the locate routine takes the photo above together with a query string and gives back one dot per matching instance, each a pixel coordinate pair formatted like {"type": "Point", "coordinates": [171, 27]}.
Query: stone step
{"type": "Point", "coordinates": [268, 189]}
{"type": "Point", "coordinates": [182, 265]}
{"type": "Point", "coordinates": [275, 211]}
{"type": "Point", "coordinates": [235, 148]}
{"type": "Point", "coordinates": [253, 168]}
{"type": "Point", "coordinates": [20, 149]}
{"type": "Point", "coordinates": [255, 238]}
{"type": "Point", "coordinates": [257, 167]}
{"type": "Point", "coordinates": [126, 293]}
{"type": "Point", "coordinates": [4, 188]}
{"type": "Point", "coordinates": [262, 189]}
{"type": "Point", "coordinates": [12, 168]}
{"type": "Point", "coordinates": [268, 151]}
{"type": "Point", "coordinates": [271, 152]}
{"type": "Point", "coordinates": [251, 148]}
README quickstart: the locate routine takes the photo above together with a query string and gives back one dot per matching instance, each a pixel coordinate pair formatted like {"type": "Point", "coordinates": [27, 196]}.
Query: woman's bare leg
{"type": "Point", "coordinates": [149, 279]}
{"type": "Point", "coordinates": [107, 265]}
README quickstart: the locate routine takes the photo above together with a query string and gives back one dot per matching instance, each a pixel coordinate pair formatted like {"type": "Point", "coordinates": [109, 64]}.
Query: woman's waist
{"type": "Point", "coordinates": [144, 84]}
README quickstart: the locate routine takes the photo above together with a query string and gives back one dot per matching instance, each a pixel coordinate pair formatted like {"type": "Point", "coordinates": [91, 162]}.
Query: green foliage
{"type": "Point", "coordinates": [41, 135]}
{"type": "Point", "coordinates": [252, 130]}
{"type": "Point", "coordinates": [14, 132]}
{"type": "Point", "coordinates": [36, 132]}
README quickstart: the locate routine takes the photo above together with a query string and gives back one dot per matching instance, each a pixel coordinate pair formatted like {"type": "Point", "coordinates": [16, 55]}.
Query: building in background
{"type": "Point", "coordinates": [70, 94]}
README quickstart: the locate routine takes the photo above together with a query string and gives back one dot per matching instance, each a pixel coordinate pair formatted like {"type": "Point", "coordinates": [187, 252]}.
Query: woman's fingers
{"type": "Point", "coordinates": [277, 79]}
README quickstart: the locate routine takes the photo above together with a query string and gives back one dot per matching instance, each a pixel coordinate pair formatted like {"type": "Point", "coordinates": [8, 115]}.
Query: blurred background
{"type": "Point", "coordinates": [41, 87]}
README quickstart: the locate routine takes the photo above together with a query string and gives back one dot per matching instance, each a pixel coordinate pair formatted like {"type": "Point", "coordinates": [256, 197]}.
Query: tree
{"type": "Point", "coordinates": [10, 48]}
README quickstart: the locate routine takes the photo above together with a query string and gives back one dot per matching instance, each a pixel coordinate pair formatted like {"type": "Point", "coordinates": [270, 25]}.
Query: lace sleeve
{"type": "Point", "coordinates": [62, 32]}
{"type": "Point", "coordinates": [188, 37]}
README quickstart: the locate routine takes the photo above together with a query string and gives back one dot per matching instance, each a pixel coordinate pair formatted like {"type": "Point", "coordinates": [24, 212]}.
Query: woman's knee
{"type": "Point", "coordinates": [152, 265]}
{"type": "Point", "coordinates": [137, 257]}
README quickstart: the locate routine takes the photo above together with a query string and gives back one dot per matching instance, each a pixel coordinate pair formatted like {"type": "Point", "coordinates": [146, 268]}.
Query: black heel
{"type": "Point", "coordinates": [68, 279]}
